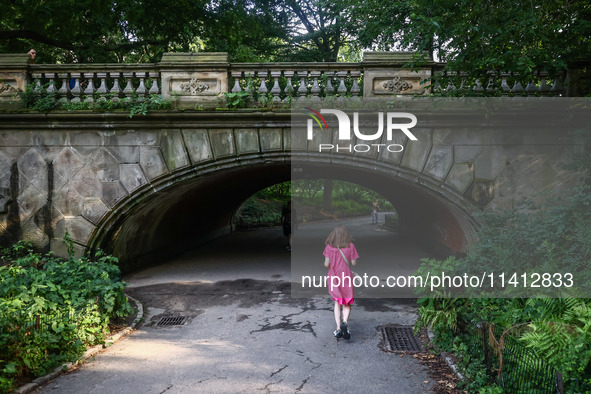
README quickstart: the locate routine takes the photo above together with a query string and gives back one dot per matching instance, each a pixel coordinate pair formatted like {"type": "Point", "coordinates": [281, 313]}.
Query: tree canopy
{"type": "Point", "coordinates": [501, 35]}
{"type": "Point", "coordinates": [468, 34]}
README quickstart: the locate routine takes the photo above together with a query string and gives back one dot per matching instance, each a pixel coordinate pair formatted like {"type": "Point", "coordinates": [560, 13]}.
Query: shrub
{"type": "Point", "coordinates": [553, 237]}
{"type": "Point", "coordinates": [52, 309]}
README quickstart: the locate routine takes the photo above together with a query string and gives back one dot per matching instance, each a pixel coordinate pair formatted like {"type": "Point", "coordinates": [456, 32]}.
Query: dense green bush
{"type": "Point", "coordinates": [550, 237]}
{"type": "Point", "coordinates": [52, 309]}
{"type": "Point", "coordinates": [348, 199]}
{"type": "Point", "coordinates": [256, 212]}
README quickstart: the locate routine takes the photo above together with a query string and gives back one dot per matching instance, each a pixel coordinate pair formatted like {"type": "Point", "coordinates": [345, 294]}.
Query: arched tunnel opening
{"type": "Point", "coordinates": [186, 214]}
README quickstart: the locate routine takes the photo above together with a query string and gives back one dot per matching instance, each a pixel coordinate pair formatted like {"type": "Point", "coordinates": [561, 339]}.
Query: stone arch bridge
{"type": "Point", "coordinates": [145, 187]}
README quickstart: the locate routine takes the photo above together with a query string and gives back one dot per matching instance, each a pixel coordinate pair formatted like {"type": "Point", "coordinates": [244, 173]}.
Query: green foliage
{"type": "Point", "coordinates": [348, 199]}
{"type": "Point", "coordinates": [100, 31]}
{"type": "Point", "coordinates": [151, 103]}
{"type": "Point", "coordinates": [479, 36]}
{"type": "Point", "coordinates": [440, 313]}
{"type": "Point", "coordinates": [472, 36]}
{"type": "Point", "coordinates": [264, 207]}
{"type": "Point", "coordinates": [130, 31]}
{"type": "Point", "coordinates": [249, 30]}
{"type": "Point", "coordinates": [51, 309]}
{"type": "Point", "coordinates": [39, 99]}
{"type": "Point", "coordinates": [551, 237]}
{"type": "Point", "coordinates": [562, 334]}
{"type": "Point", "coordinates": [256, 212]}
{"type": "Point", "coordinates": [279, 192]}
{"type": "Point", "coordinates": [238, 99]}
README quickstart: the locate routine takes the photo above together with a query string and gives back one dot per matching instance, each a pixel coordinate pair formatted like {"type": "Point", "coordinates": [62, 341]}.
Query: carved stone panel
{"type": "Point", "coordinates": [6, 89]}
{"type": "Point", "coordinates": [397, 85]}
{"type": "Point", "coordinates": [195, 88]}
{"type": "Point", "coordinates": [389, 82]}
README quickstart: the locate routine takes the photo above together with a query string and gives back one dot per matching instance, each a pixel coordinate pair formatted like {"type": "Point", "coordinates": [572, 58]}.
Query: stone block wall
{"type": "Point", "coordinates": [141, 186]}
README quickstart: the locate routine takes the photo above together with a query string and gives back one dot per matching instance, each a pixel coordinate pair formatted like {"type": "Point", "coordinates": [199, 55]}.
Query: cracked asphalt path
{"type": "Point", "coordinates": [249, 335]}
{"type": "Point", "coordinates": [252, 338]}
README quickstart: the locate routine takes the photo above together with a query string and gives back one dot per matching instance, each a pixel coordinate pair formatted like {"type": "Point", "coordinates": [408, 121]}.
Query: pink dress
{"type": "Point", "coordinates": [344, 293]}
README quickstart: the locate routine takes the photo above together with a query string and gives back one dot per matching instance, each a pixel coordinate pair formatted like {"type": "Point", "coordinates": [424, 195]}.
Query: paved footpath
{"type": "Point", "coordinates": [246, 335]}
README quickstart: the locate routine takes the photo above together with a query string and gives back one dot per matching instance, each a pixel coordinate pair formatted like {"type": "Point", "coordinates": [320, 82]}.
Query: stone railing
{"type": "Point", "coordinates": [200, 80]}
{"type": "Point", "coordinates": [510, 84]}
{"type": "Point", "coordinates": [90, 82]}
{"type": "Point", "coordinates": [281, 82]}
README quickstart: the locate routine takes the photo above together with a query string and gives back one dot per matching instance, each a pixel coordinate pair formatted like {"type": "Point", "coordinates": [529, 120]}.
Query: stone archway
{"type": "Point", "coordinates": [198, 204]}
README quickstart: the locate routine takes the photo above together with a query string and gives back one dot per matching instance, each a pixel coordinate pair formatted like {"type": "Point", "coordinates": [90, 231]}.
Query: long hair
{"type": "Point", "coordinates": [339, 238]}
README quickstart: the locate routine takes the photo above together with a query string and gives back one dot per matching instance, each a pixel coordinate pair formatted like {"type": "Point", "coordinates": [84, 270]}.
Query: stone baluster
{"type": "Point", "coordinates": [436, 84]}
{"type": "Point", "coordinates": [102, 89]}
{"type": "Point", "coordinates": [89, 90]}
{"type": "Point", "coordinates": [115, 91]}
{"type": "Point", "coordinates": [531, 89]}
{"type": "Point", "coordinates": [342, 89]}
{"type": "Point", "coordinates": [249, 86]}
{"type": "Point", "coordinates": [478, 87]}
{"type": "Point", "coordinates": [141, 89]}
{"type": "Point", "coordinates": [329, 90]}
{"type": "Point", "coordinates": [63, 90]}
{"type": "Point", "coordinates": [315, 90]}
{"type": "Point", "coordinates": [518, 88]}
{"type": "Point", "coordinates": [437, 87]}
{"type": "Point", "coordinates": [51, 82]}
{"type": "Point", "coordinates": [76, 90]}
{"type": "Point", "coordinates": [490, 88]}
{"type": "Point", "coordinates": [505, 86]}
{"type": "Point", "coordinates": [154, 89]}
{"type": "Point", "coordinates": [544, 88]}
{"type": "Point", "coordinates": [37, 81]}
{"type": "Point", "coordinates": [355, 87]}
{"type": "Point", "coordinates": [450, 86]}
{"type": "Point", "coordinates": [263, 86]}
{"type": "Point", "coordinates": [237, 75]}
{"type": "Point", "coordinates": [289, 87]}
{"type": "Point", "coordinates": [128, 90]}
{"type": "Point", "coordinates": [462, 83]}
{"type": "Point", "coordinates": [276, 90]}
{"type": "Point", "coordinates": [303, 88]}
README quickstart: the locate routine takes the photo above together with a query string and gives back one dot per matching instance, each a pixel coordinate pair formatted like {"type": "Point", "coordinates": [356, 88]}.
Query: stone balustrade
{"type": "Point", "coordinates": [508, 84]}
{"type": "Point", "coordinates": [281, 82]}
{"type": "Point", "coordinates": [200, 80]}
{"type": "Point", "coordinates": [87, 83]}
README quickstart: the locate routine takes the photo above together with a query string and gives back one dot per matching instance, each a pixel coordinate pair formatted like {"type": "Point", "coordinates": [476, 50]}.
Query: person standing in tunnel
{"type": "Point", "coordinates": [286, 214]}
{"type": "Point", "coordinates": [339, 251]}
{"type": "Point", "coordinates": [374, 212]}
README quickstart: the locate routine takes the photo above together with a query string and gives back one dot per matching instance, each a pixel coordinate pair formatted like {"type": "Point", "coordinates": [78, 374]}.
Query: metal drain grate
{"type": "Point", "coordinates": [172, 321]}
{"type": "Point", "coordinates": [400, 339]}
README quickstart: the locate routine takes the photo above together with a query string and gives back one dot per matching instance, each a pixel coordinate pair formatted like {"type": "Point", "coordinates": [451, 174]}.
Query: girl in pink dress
{"type": "Point", "coordinates": [338, 253]}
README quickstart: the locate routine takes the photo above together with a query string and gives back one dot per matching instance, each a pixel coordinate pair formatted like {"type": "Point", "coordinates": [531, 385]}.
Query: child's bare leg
{"type": "Point", "coordinates": [346, 313]}
{"type": "Point", "coordinates": [337, 314]}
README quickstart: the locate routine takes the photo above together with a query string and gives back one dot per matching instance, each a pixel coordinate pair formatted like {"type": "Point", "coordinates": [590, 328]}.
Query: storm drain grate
{"type": "Point", "coordinates": [172, 321]}
{"type": "Point", "coordinates": [400, 339]}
